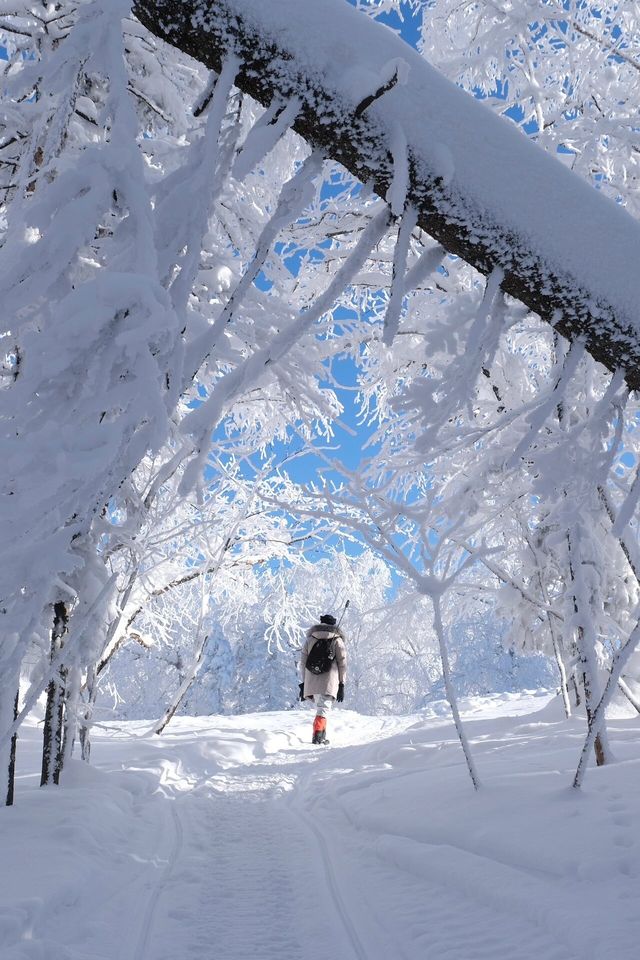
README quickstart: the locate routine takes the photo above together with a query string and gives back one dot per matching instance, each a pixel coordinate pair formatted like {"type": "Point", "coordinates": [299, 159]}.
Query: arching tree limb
{"type": "Point", "coordinates": [358, 137]}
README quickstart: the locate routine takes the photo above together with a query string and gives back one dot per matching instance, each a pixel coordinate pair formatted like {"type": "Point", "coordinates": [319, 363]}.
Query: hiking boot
{"type": "Point", "coordinates": [319, 730]}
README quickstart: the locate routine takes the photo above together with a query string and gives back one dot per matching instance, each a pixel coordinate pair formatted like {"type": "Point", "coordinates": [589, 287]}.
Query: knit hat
{"type": "Point", "coordinates": [328, 619]}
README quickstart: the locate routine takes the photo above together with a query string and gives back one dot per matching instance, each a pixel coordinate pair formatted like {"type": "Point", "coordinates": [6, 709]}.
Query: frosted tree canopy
{"type": "Point", "coordinates": [297, 309]}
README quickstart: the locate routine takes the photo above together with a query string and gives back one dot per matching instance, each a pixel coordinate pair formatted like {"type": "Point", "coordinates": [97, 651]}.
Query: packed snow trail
{"type": "Point", "coordinates": [233, 838]}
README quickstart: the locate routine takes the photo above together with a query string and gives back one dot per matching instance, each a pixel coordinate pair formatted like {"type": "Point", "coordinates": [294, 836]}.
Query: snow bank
{"type": "Point", "coordinates": [234, 834]}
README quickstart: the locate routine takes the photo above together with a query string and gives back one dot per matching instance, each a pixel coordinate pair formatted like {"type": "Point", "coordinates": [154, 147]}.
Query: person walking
{"type": "Point", "coordinates": [323, 666]}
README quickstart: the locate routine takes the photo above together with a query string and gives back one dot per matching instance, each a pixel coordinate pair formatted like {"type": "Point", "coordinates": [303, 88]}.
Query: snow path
{"type": "Point", "coordinates": [234, 839]}
{"type": "Point", "coordinates": [214, 894]}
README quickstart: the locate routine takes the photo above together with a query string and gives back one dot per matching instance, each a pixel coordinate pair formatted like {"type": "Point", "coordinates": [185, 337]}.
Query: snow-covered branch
{"type": "Point", "coordinates": [480, 189]}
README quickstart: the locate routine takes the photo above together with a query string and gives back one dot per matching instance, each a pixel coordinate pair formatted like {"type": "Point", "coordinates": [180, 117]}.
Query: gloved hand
{"type": "Point", "coordinates": [301, 688]}
{"type": "Point", "coordinates": [340, 696]}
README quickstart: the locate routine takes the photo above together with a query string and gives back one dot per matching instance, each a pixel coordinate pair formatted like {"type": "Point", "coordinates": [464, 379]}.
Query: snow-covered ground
{"type": "Point", "coordinates": [233, 838]}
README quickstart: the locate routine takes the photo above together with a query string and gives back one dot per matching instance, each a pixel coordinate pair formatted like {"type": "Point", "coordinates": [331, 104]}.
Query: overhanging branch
{"type": "Point", "coordinates": [361, 139]}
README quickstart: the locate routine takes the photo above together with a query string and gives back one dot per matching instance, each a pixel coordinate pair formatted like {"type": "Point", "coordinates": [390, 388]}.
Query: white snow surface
{"type": "Point", "coordinates": [511, 180]}
{"type": "Point", "coordinates": [234, 838]}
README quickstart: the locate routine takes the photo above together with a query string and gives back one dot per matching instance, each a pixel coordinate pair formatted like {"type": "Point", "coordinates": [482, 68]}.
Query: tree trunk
{"type": "Point", "coordinates": [564, 683]}
{"type": "Point", "coordinates": [52, 746]}
{"type": "Point", "coordinates": [70, 720]}
{"type": "Point", "coordinates": [586, 665]}
{"type": "Point", "coordinates": [11, 772]}
{"type": "Point", "coordinates": [589, 698]}
{"type": "Point", "coordinates": [576, 689]}
{"type": "Point", "coordinates": [85, 727]}
{"type": "Point", "coordinates": [597, 716]}
{"type": "Point", "coordinates": [629, 694]}
{"type": "Point", "coordinates": [276, 68]}
{"type": "Point", "coordinates": [451, 696]}
{"type": "Point", "coordinates": [556, 642]}
{"type": "Point", "coordinates": [184, 688]}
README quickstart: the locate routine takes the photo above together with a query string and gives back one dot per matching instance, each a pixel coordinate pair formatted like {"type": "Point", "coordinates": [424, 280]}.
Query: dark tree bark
{"type": "Point", "coordinates": [52, 745]}
{"type": "Point", "coordinates": [11, 778]}
{"type": "Point", "coordinates": [210, 30]}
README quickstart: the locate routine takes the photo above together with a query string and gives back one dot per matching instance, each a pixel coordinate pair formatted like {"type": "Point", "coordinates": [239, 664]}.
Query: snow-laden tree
{"type": "Point", "coordinates": [87, 322]}
{"type": "Point", "coordinates": [568, 72]}
{"type": "Point", "coordinates": [256, 621]}
{"type": "Point", "coordinates": [173, 255]}
{"type": "Point", "coordinates": [107, 329]}
{"type": "Point", "coordinates": [523, 471]}
{"type": "Point", "coordinates": [486, 195]}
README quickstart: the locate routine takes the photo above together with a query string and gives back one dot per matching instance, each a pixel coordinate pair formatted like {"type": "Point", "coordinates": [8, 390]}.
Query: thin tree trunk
{"type": "Point", "coordinates": [52, 755]}
{"type": "Point", "coordinates": [60, 711]}
{"type": "Point", "coordinates": [115, 626]}
{"type": "Point", "coordinates": [585, 658]}
{"type": "Point", "coordinates": [629, 694]}
{"type": "Point", "coordinates": [557, 650]}
{"type": "Point", "coordinates": [85, 726]}
{"type": "Point", "coordinates": [194, 669]}
{"type": "Point", "coordinates": [588, 688]}
{"type": "Point", "coordinates": [184, 688]}
{"type": "Point", "coordinates": [451, 696]}
{"type": "Point", "coordinates": [11, 773]}
{"type": "Point", "coordinates": [70, 721]}
{"type": "Point", "coordinates": [576, 689]}
{"type": "Point", "coordinates": [564, 683]}
{"type": "Point", "coordinates": [597, 717]}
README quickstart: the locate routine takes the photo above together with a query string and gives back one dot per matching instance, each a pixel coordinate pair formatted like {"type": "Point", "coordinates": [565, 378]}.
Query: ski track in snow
{"type": "Point", "coordinates": [217, 901]}
{"type": "Point", "coordinates": [140, 951]}
{"type": "Point", "coordinates": [340, 903]}
{"type": "Point", "coordinates": [234, 839]}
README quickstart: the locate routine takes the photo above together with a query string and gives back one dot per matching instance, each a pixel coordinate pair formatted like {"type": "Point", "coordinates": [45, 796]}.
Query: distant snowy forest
{"type": "Point", "coordinates": [247, 377]}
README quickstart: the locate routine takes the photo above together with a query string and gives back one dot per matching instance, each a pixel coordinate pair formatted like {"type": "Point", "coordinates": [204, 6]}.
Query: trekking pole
{"type": "Point", "coordinates": [343, 612]}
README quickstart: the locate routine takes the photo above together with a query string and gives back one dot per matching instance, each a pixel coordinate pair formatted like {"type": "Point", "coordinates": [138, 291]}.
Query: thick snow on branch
{"type": "Point", "coordinates": [565, 250]}
{"type": "Point", "coordinates": [263, 137]}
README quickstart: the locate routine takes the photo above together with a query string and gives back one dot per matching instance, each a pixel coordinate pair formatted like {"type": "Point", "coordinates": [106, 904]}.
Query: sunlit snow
{"type": "Point", "coordinates": [233, 838]}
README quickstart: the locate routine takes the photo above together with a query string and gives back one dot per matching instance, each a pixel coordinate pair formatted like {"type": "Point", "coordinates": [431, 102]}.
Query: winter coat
{"type": "Point", "coordinates": [324, 683]}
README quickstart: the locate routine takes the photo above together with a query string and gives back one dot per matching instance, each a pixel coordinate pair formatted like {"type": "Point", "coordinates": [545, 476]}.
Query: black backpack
{"type": "Point", "coordinates": [321, 655]}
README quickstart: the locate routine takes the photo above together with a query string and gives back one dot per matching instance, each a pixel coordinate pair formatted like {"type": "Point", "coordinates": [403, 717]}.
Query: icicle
{"type": "Point", "coordinates": [398, 286]}
{"type": "Point", "coordinates": [263, 137]}
{"type": "Point", "coordinates": [484, 335]}
{"type": "Point", "coordinates": [397, 192]}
